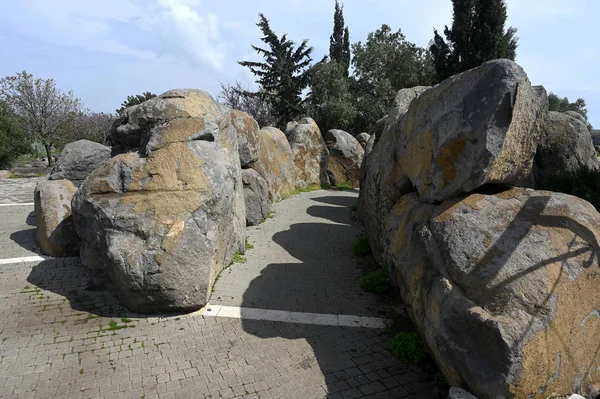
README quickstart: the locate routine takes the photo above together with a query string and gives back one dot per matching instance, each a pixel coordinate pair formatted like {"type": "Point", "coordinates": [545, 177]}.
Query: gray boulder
{"type": "Point", "coordinates": [596, 138]}
{"type": "Point", "coordinates": [566, 147]}
{"type": "Point", "coordinates": [503, 288]}
{"type": "Point", "coordinates": [363, 139]}
{"type": "Point", "coordinates": [276, 163]}
{"type": "Point", "coordinates": [256, 197]}
{"type": "Point", "coordinates": [459, 393]}
{"type": "Point", "coordinates": [78, 160]}
{"type": "Point", "coordinates": [55, 233]}
{"type": "Point", "coordinates": [345, 158]}
{"type": "Point", "coordinates": [481, 126]}
{"type": "Point", "coordinates": [382, 180]}
{"type": "Point", "coordinates": [161, 223]}
{"type": "Point", "coordinates": [310, 152]}
{"type": "Point", "coordinates": [247, 131]}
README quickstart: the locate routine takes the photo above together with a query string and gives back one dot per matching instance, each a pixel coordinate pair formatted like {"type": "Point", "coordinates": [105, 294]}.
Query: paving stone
{"type": "Point", "coordinates": [56, 339]}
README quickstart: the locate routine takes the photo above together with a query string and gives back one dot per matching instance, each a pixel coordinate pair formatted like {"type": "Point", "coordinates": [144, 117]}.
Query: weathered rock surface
{"type": "Point", "coordinates": [276, 163]}
{"type": "Point", "coordinates": [478, 127]}
{"type": "Point", "coordinates": [565, 147]}
{"type": "Point", "coordinates": [310, 152]}
{"type": "Point", "coordinates": [345, 158]}
{"type": "Point", "coordinates": [503, 288]}
{"type": "Point", "coordinates": [256, 197]}
{"type": "Point", "coordinates": [459, 393]}
{"type": "Point", "coordinates": [382, 180]}
{"type": "Point", "coordinates": [596, 138]}
{"type": "Point", "coordinates": [162, 222]}
{"type": "Point", "coordinates": [363, 139]}
{"type": "Point", "coordinates": [248, 137]}
{"type": "Point", "coordinates": [55, 233]}
{"type": "Point", "coordinates": [78, 160]}
{"type": "Point", "coordinates": [4, 174]}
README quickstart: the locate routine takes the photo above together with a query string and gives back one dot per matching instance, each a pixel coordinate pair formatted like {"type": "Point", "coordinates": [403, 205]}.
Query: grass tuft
{"type": "Point", "coordinates": [408, 347]}
{"type": "Point", "coordinates": [238, 258]}
{"type": "Point", "coordinates": [361, 246]}
{"type": "Point", "coordinates": [376, 282]}
{"type": "Point", "coordinates": [344, 186]}
{"type": "Point", "coordinates": [247, 245]}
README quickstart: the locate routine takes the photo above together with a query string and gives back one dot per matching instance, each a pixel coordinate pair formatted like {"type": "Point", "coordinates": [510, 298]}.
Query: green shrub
{"type": "Point", "coordinates": [408, 347]}
{"type": "Point", "coordinates": [585, 184]}
{"type": "Point", "coordinates": [344, 186]}
{"type": "Point", "coordinates": [361, 246]}
{"type": "Point", "coordinates": [13, 141]}
{"type": "Point", "coordinates": [376, 282]}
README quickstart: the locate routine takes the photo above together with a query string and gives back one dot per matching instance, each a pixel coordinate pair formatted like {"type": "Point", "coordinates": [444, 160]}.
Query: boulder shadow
{"type": "Point", "coordinates": [336, 214]}
{"type": "Point", "coordinates": [353, 360]}
{"type": "Point", "coordinates": [339, 200]}
{"type": "Point", "coordinates": [26, 239]}
{"type": "Point", "coordinates": [68, 278]}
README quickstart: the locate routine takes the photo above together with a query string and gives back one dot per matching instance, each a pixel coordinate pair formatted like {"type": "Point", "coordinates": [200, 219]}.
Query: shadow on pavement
{"type": "Point", "coordinates": [26, 239]}
{"type": "Point", "coordinates": [354, 361]}
{"type": "Point", "coordinates": [337, 200]}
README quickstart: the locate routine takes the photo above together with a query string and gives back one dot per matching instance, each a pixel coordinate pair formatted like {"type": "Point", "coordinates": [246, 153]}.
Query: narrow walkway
{"type": "Point", "coordinates": [282, 325]}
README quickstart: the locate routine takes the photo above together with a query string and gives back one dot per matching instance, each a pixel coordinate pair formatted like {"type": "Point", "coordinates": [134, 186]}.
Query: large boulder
{"type": "Point", "coordinates": [565, 147]}
{"type": "Point", "coordinates": [276, 163]}
{"type": "Point", "coordinates": [256, 197]}
{"type": "Point", "coordinates": [481, 126]}
{"type": "Point", "coordinates": [363, 139]}
{"type": "Point", "coordinates": [382, 180]}
{"type": "Point", "coordinates": [248, 134]}
{"type": "Point", "coordinates": [310, 152]}
{"type": "Point", "coordinates": [503, 288]}
{"type": "Point", "coordinates": [55, 233]}
{"type": "Point", "coordinates": [345, 158]}
{"type": "Point", "coordinates": [78, 160]}
{"type": "Point", "coordinates": [596, 138]}
{"type": "Point", "coordinates": [162, 222]}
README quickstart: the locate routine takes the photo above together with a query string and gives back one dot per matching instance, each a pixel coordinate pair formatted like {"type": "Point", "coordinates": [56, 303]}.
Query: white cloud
{"type": "Point", "coordinates": [184, 33]}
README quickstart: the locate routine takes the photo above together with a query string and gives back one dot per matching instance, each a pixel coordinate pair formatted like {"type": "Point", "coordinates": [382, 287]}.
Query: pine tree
{"type": "Point", "coordinates": [339, 42]}
{"type": "Point", "coordinates": [283, 75]}
{"type": "Point", "coordinates": [477, 36]}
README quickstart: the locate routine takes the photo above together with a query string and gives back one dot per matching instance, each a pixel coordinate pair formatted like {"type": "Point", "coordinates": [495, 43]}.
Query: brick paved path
{"type": "Point", "coordinates": [60, 338]}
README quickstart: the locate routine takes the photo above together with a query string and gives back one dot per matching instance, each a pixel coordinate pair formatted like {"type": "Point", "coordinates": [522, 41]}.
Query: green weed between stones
{"type": "Point", "coordinates": [344, 186]}
{"type": "Point", "coordinates": [361, 246]}
{"type": "Point", "coordinates": [408, 347]}
{"type": "Point", "coordinates": [376, 282]}
{"type": "Point", "coordinates": [247, 245]}
{"type": "Point", "coordinates": [238, 258]}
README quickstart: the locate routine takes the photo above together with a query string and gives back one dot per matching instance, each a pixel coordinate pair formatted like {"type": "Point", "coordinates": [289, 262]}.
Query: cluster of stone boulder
{"type": "Point", "coordinates": [160, 214]}
{"type": "Point", "coordinates": [501, 282]}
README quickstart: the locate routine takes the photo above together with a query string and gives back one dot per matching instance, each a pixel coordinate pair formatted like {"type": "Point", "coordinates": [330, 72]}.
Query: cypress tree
{"type": "Point", "coordinates": [477, 36]}
{"type": "Point", "coordinates": [339, 42]}
{"type": "Point", "coordinates": [283, 74]}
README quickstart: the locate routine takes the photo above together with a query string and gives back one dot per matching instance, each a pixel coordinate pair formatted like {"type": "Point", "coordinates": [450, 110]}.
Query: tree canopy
{"type": "Point", "coordinates": [13, 141]}
{"type": "Point", "coordinates": [283, 74]}
{"type": "Point", "coordinates": [384, 64]}
{"type": "Point", "coordinates": [477, 35]}
{"type": "Point", "coordinates": [135, 100]}
{"type": "Point", "coordinates": [339, 42]}
{"type": "Point", "coordinates": [44, 111]}
{"type": "Point", "coordinates": [236, 97]}
{"type": "Point", "coordinates": [556, 103]}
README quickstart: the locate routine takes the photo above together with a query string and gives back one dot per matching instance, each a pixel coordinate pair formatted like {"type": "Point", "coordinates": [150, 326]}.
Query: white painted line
{"type": "Point", "coordinates": [237, 312]}
{"type": "Point", "coordinates": [23, 259]}
{"type": "Point", "coordinates": [22, 204]}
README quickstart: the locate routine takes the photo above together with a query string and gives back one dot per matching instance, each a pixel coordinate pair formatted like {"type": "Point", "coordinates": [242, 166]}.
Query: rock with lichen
{"type": "Point", "coordinates": [162, 219]}
{"type": "Point", "coordinates": [503, 288]}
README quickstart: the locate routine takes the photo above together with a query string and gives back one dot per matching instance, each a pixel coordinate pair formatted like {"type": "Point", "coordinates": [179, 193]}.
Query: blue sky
{"type": "Point", "coordinates": [106, 50]}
